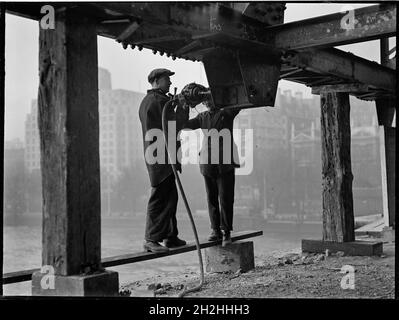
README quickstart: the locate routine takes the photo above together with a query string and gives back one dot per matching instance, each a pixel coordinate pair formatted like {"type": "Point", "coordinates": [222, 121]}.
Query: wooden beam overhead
{"type": "Point", "coordinates": [364, 24]}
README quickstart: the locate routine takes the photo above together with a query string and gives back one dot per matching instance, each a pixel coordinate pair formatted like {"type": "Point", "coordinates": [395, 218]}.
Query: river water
{"type": "Point", "coordinates": [22, 245]}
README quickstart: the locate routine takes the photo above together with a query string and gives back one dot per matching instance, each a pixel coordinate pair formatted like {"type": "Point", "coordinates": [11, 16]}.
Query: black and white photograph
{"type": "Point", "coordinates": [174, 151]}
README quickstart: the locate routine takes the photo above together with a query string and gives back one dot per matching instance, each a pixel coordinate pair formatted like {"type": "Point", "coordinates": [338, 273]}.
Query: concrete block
{"type": "Point", "coordinates": [238, 255]}
{"type": "Point", "coordinates": [388, 234]}
{"type": "Point", "coordinates": [353, 248]}
{"type": "Point", "coordinates": [102, 284]}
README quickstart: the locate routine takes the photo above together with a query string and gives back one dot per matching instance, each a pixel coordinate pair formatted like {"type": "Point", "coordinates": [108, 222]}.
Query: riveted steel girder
{"type": "Point", "coordinates": [364, 24]}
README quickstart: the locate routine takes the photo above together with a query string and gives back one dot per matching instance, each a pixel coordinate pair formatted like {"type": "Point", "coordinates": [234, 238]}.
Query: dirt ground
{"type": "Point", "coordinates": [283, 275]}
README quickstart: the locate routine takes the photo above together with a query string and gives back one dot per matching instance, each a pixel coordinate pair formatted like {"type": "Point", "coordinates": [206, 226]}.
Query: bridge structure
{"type": "Point", "coordinates": [246, 48]}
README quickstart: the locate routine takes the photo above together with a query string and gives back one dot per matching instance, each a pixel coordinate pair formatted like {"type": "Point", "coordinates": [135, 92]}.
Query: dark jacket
{"type": "Point", "coordinates": [150, 114]}
{"type": "Point", "coordinates": [209, 154]}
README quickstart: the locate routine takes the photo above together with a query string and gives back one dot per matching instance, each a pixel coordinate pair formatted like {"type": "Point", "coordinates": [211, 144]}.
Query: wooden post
{"type": "Point", "coordinates": [338, 217]}
{"type": "Point", "coordinates": [386, 109]}
{"type": "Point", "coordinates": [387, 155]}
{"type": "Point", "coordinates": [69, 142]}
{"type": "Point", "coordinates": [2, 75]}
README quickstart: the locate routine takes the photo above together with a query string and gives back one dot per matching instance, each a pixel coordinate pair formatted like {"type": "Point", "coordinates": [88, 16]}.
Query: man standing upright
{"type": "Point", "coordinates": [217, 165]}
{"type": "Point", "coordinates": [161, 223]}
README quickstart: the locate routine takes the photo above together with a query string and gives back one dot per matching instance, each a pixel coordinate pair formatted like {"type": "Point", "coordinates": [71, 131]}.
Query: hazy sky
{"type": "Point", "coordinates": [129, 68]}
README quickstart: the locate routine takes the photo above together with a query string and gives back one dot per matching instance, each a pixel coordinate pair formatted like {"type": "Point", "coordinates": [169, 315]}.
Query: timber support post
{"type": "Point", "coordinates": [386, 110]}
{"type": "Point", "coordinates": [337, 197]}
{"type": "Point", "coordinates": [338, 216]}
{"type": "Point", "coordinates": [2, 104]}
{"type": "Point", "coordinates": [69, 142]}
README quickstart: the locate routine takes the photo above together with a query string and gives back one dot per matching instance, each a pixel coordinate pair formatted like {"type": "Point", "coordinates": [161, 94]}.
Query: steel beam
{"type": "Point", "coordinates": [345, 66]}
{"type": "Point", "coordinates": [359, 25]}
{"type": "Point", "coordinates": [229, 28]}
{"type": "Point", "coordinates": [346, 87]}
{"type": "Point", "coordinates": [331, 30]}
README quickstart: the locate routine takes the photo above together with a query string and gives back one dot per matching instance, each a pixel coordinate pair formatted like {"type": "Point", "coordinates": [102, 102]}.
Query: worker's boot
{"type": "Point", "coordinates": [153, 246]}
{"type": "Point", "coordinates": [174, 242]}
{"type": "Point", "coordinates": [226, 238]}
{"type": "Point", "coordinates": [215, 235]}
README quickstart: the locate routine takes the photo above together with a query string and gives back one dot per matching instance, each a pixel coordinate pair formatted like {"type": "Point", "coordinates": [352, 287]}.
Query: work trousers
{"type": "Point", "coordinates": [161, 220]}
{"type": "Point", "coordinates": [220, 189]}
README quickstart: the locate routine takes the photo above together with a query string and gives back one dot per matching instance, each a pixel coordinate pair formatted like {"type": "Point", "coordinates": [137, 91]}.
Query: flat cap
{"type": "Point", "coordinates": [158, 73]}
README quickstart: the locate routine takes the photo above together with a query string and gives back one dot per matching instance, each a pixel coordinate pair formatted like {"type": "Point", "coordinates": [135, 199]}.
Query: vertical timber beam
{"type": "Point", "coordinates": [338, 217]}
{"type": "Point", "coordinates": [2, 82]}
{"type": "Point", "coordinates": [387, 156]}
{"type": "Point", "coordinates": [386, 109]}
{"type": "Point", "coordinates": [69, 144]}
{"type": "Point", "coordinates": [69, 135]}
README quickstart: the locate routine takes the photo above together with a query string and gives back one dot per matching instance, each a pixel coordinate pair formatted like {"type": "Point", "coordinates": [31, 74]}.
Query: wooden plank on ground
{"type": "Point", "coordinates": [143, 256]}
{"type": "Point", "coordinates": [26, 275]}
{"type": "Point", "coordinates": [352, 248]}
{"type": "Point", "coordinates": [374, 228]}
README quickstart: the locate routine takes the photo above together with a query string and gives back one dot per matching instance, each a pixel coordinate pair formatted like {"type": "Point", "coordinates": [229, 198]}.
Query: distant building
{"type": "Point", "coordinates": [287, 158]}
{"type": "Point", "coordinates": [13, 144]}
{"type": "Point", "coordinates": [306, 159]}
{"type": "Point", "coordinates": [270, 126]}
{"type": "Point", "coordinates": [14, 178]}
{"type": "Point", "coordinates": [120, 130]}
{"type": "Point", "coordinates": [104, 79]}
{"type": "Point", "coordinates": [121, 144]}
{"type": "Point", "coordinates": [32, 140]}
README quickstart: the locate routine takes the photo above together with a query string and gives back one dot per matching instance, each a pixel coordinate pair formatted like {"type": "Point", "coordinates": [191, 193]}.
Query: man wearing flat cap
{"type": "Point", "coordinates": [161, 223]}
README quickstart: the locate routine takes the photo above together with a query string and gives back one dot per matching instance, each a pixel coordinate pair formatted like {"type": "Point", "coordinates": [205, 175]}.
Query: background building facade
{"type": "Point", "coordinates": [286, 176]}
